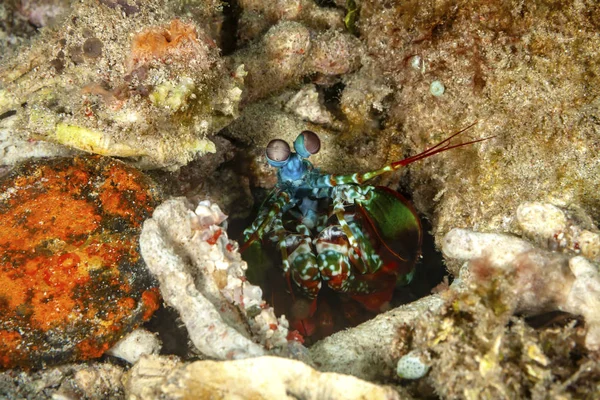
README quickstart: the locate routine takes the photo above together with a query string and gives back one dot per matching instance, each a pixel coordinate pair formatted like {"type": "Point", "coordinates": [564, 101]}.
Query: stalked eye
{"type": "Point", "coordinates": [278, 152]}
{"type": "Point", "coordinates": [307, 143]}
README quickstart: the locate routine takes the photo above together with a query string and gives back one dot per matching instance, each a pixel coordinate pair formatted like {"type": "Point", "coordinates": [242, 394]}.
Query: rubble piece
{"type": "Point", "coordinates": [584, 298]}
{"type": "Point", "coordinates": [364, 351]}
{"type": "Point", "coordinates": [147, 374]}
{"type": "Point", "coordinates": [530, 216]}
{"type": "Point", "coordinates": [201, 275]}
{"type": "Point", "coordinates": [500, 249]}
{"type": "Point", "coordinates": [135, 345]}
{"type": "Point", "coordinates": [257, 16]}
{"type": "Point", "coordinates": [68, 381]}
{"type": "Point", "coordinates": [544, 280]}
{"type": "Point", "coordinates": [569, 230]}
{"type": "Point", "coordinates": [43, 13]}
{"type": "Point", "coordinates": [256, 378]}
{"type": "Point", "coordinates": [298, 52]}
{"type": "Point", "coordinates": [15, 149]}
{"type": "Point", "coordinates": [412, 366]}
{"type": "Point", "coordinates": [365, 95]}
{"type": "Point", "coordinates": [306, 104]}
{"type": "Point", "coordinates": [477, 349]}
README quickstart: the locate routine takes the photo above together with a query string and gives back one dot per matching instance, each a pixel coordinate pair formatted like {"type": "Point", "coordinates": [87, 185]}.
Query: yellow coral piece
{"type": "Point", "coordinates": [445, 331]}
{"type": "Point", "coordinates": [7, 100]}
{"type": "Point", "coordinates": [96, 142]}
{"type": "Point", "coordinates": [93, 141]}
{"type": "Point", "coordinates": [472, 394]}
{"type": "Point", "coordinates": [536, 372]}
{"type": "Point", "coordinates": [489, 362]}
{"type": "Point", "coordinates": [171, 96]}
{"type": "Point", "coordinates": [200, 146]}
{"type": "Point", "coordinates": [536, 354]}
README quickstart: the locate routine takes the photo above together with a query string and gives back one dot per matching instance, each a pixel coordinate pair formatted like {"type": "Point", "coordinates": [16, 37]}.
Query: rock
{"type": "Point", "coordinates": [567, 230]}
{"type": "Point", "coordinates": [65, 382]}
{"type": "Point", "coordinates": [72, 281]}
{"type": "Point", "coordinates": [412, 366]}
{"type": "Point", "coordinates": [135, 345]}
{"type": "Point", "coordinates": [544, 280]}
{"type": "Point", "coordinates": [256, 378]}
{"type": "Point", "coordinates": [466, 245]}
{"type": "Point", "coordinates": [257, 16]}
{"type": "Point", "coordinates": [365, 351]}
{"type": "Point", "coordinates": [541, 219]}
{"type": "Point", "coordinates": [511, 68]}
{"type": "Point", "coordinates": [15, 149]}
{"type": "Point", "coordinates": [307, 105]}
{"type": "Point", "coordinates": [299, 52]}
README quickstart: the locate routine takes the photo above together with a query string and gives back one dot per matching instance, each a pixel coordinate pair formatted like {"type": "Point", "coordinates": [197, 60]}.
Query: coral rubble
{"type": "Point", "coordinates": [142, 84]}
{"type": "Point", "coordinates": [136, 344]}
{"type": "Point", "coordinates": [90, 381]}
{"type": "Point", "coordinates": [542, 280]}
{"type": "Point", "coordinates": [477, 350]}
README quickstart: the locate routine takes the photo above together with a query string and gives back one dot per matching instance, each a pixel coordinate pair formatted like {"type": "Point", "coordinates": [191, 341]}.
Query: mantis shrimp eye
{"type": "Point", "coordinates": [307, 143]}
{"type": "Point", "coordinates": [278, 152]}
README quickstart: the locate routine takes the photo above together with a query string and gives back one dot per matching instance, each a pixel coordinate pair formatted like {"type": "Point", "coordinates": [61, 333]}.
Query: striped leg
{"type": "Point", "coordinates": [274, 207]}
{"type": "Point", "coordinates": [338, 268]}
{"type": "Point", "coordinates": [361, 253]}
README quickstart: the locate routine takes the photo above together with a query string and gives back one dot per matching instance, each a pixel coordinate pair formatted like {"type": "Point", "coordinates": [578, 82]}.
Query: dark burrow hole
{"type": "Point", "coordinates": [7, 114]}
{"type": "Point", "coordinates": [332, 96]}
{"type": "Point", "coordinates": [429, 273]}
{"type": "Point", "coordinates": [326, 3]}
{"type": "Point", "coordinates": [172, 332]}
{"type": "Point", "coordinates": [340, 311]}
{"type": "Point", "coordinates": [229, 27]}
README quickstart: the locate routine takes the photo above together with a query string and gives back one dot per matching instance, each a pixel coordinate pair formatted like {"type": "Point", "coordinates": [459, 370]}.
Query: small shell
{"type": "Point", "coordinates": [437, 88]}
{"type": "Point", "coordinates": [411, 366]}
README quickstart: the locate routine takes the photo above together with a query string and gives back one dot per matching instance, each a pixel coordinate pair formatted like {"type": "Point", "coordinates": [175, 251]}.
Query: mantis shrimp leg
{"type": "Point", "coordinates": [278, 202]}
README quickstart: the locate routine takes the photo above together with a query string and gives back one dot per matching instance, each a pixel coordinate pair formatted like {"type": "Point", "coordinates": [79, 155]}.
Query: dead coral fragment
{"type": "Point", "coordinates": [570, 231]}
{"type": "Point", "coordinates": [478, 350]}
{"type": "Point", "coordinates": [80, 381]}
{"type": "Point", "coordinates": [290, 51]}
{"type": "Point", "coordinates": [544, 280]}
{"type": "Point", "coordinates": [224, 314]}
{"type": "Point", "coordinates": [178, 41]}
{"type": "Point", "coordinates": [258, 378]}
{"type": "Point", "coordinates": [257, 16]}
